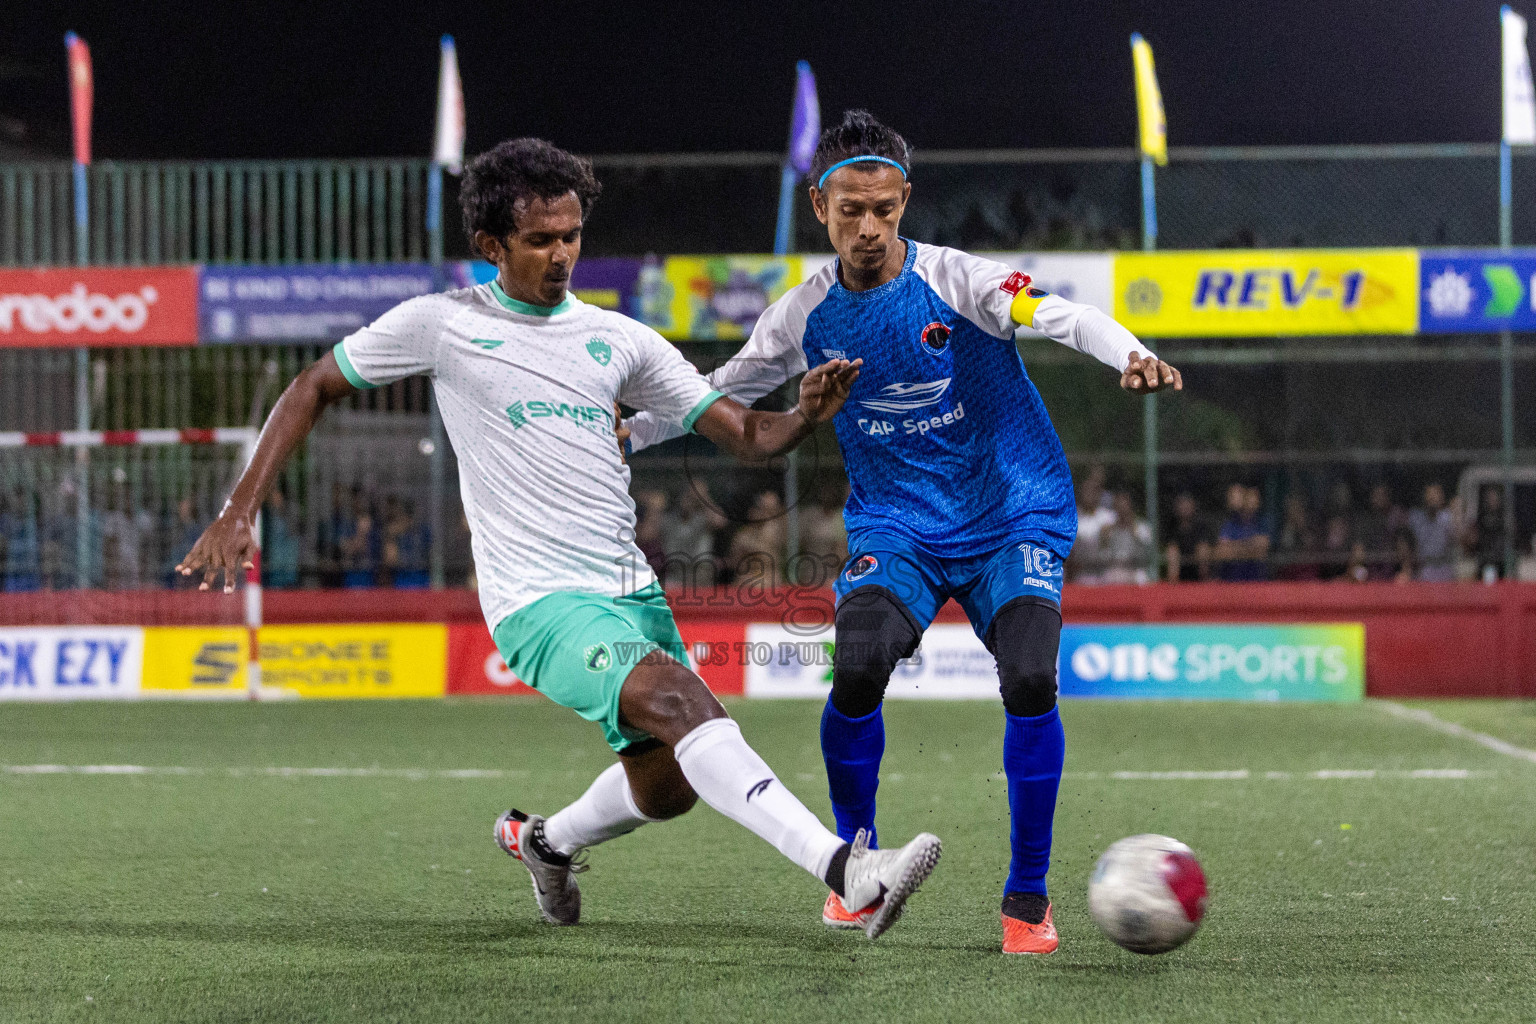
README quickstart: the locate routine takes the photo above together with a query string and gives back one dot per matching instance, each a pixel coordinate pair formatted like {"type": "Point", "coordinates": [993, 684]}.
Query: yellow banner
{"type": "Point", "coordinates": [1149, 102]}
{"type": "Point", "coordinates": [1254, 293]}
{"type": "Point", "coordinates": [196, 660]}
{"type": "Point", "coordinates": [721, 296]}
{"type": "Point", "coordinates": [356, 660]}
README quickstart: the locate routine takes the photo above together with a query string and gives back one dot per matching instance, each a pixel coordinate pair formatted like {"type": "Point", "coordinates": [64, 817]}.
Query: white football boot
{"type": "Point", "coordinates": [886, 877]}
{"type": "Point", "coordinates": [554, 876]}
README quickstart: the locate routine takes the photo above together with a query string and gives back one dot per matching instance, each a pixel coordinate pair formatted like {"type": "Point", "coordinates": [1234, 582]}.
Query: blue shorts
{"type": "Point", "coordinates": [981, 584]}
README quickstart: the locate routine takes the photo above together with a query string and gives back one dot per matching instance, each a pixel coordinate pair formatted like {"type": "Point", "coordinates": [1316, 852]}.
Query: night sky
{"type": "Point", "coordinates": [304, 79]}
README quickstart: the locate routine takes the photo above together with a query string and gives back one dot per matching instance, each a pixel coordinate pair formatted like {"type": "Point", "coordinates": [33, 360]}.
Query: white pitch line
{"type": "Point", "coordinates": [422, 774]}
{"type": "Point", "coordinates": [1452, 729]}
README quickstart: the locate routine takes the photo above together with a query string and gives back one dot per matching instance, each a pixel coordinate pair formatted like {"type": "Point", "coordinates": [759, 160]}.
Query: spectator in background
{"type": "Point", "coordinates": [19, 568]}
{"type": "Point", "coordinates": [757, 550]}
{"type": "Point", "coordinates": [1339, 547]}
{"type": "Point", "coordinates": [689, 538]}
{"type": "Point", "coordinates": [1297, 543]}
{"type": "Point", "coordinates": [120, 537]}
{"type": "Point", "coordinates": [823, 537]}
{"type": "Point", "coordinates": [357, 542]}
{"type": "Point", "coordinates": [1434, 528]}
{"type": "Point", "coordinates": [407, 548]}
{"type": "Point", "coordinates": [1379, 538]}
{"type": "Point", "coordinates": [1123, 544]}
{"type": "Point", "coordinates": [328, 542]}
{"type": "Point", "coordinates": [650, 521]}
{"type": "Point", "coordinates": [280, 547]}
{"type": "Point", "coordinates": [1487, 535]}
{"type": "Point", "coordinates": [1188, 551]}
{"type": "Point", "coordinates": [1085, 564]}
{"type": "Point", "coordinates": [1242, 545]}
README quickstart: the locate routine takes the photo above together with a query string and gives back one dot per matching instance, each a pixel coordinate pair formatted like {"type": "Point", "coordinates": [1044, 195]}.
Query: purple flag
{"type": "Point", "coordinates": [805, 124]}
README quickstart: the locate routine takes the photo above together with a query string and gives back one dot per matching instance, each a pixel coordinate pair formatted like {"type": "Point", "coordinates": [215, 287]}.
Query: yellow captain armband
{"type": "Point", "coordinates": [1025, 303]}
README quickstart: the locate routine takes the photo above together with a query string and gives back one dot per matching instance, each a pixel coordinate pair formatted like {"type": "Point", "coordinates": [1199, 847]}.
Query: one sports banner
{"type": "Point", "coordinates": [355, 660]}
{"type": "Point", "coordinates": [448, 137]}
{"type": "Point", "coordinates": [1519, 97]}
{"type": "Point", "coordinates": [1149, 102]}
{"type": "Point", "coordinates": [1477, 291]}
{"type": "Point", "coordinates": [1268, 292]}
{"type": "Point", "coordinates": [1309, 661]}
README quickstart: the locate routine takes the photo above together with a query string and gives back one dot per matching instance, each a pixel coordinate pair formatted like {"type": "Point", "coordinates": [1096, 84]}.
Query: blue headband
{"type": "Point", "coordinates": [822, 181]}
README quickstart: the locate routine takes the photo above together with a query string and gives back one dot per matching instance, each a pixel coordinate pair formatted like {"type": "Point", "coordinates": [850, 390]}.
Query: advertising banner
{"type": "Point", "coordinates": [1086, 277]}
{"type": "Point", "coordinates": [703, 298]}
{"type": "Point", "coordinates": [1214, 662]}
{"type": "Point", "coordinates": [304, 303]}
{"type": "Point", "coordinates": [194, 661]}
{"type": "Point", "coordinates": [355, 660]}
{"type": "Point", "coordinates": [98, 306]}
{"type": "Point", "coordinates": [1467, 291]}
{"type": "Point", "coordinates": [607, 281]}
{"type": "Point", "coordinates": [475, 667]}
{"type": "Point", "coordinates": [1268, 292]}
{"type": "Point", "coordinates": [950, 664]}
{"type": "Point", "coordinates": [70, 662]}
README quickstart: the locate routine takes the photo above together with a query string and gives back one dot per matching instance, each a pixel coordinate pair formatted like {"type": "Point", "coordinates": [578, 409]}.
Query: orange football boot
{"type": "Point", "coordinates": [1035, 939]}
{"type": "Point", "coordinates": [835, 915]}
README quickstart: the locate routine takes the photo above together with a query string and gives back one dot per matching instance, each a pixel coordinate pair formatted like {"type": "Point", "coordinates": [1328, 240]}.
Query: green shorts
{"type": "Point", "coordinates": [577, 649]}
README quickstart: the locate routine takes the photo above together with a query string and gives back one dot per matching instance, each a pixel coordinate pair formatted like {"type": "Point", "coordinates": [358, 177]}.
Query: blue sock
{"type": "Point", "coordinates": [852, 748]}
{"type": "Point", "coordinates": [1033, 751]}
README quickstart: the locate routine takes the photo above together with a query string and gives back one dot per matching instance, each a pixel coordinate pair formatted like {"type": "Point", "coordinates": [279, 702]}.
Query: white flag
{"type": "Point", "coordinates": [1519, 97]}
{"type": "Point", "coordinates": [448, 143]}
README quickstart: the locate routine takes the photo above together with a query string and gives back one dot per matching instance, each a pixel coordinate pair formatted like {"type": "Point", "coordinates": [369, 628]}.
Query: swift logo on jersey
{"type": "Point", "coordinates": [589, 416]}
{"type": "Point", "coordinates": [907, 397]}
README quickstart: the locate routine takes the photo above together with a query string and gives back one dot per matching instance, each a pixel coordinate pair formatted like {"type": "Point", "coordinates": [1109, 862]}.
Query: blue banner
{"type": "Point", "coordinates": [1297, 661]}
{"type": "Point", "coordinates": [303, 303]}
{"type": "Point", "coordinates": [1476, 291]}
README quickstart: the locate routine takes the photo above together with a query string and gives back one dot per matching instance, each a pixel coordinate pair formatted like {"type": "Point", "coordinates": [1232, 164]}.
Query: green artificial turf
{"type": "Point", "coordinates": [213, 895]}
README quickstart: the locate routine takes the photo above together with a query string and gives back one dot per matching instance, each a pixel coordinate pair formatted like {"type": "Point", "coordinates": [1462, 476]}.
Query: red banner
{"type": "Point", "coordinates": [93, 307]}
{"type": "Point", "coordinates": [475, 667]}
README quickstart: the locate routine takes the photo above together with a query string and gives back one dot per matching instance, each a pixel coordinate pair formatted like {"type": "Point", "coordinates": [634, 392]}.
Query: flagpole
{"type": "Point", "coordinates": [1507, 368]}
{"type": "Point", "coordinates": [437, 460]}
{"type": "Point", "coordinates": [783, 241]}
{"type": "Point", "coordinates": [80, 103]}
{"type": "Point", "coordinates": [1149, 402]}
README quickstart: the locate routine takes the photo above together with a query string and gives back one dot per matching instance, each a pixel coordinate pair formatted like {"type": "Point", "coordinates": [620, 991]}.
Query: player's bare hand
{"type": "Point", "coordinates": [227, 546]}
{"type": "Point", "coordinates": [620, 430]}
{"type": "Point", "coordinates": [1147, 374]}
{"type": "Point", "coordinates": [824, 389]}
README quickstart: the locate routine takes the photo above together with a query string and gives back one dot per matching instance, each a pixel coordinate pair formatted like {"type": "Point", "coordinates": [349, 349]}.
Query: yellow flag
{"type": "Point", "coordinates": [1149, 103]}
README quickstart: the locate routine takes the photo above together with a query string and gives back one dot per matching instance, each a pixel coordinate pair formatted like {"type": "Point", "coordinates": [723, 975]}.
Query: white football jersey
{"type": "Point", "coordinates": [527, 395]}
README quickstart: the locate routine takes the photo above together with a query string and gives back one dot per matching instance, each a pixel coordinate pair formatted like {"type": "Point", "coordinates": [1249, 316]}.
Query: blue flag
{"type": "Point", "coordinates": [805, 123]}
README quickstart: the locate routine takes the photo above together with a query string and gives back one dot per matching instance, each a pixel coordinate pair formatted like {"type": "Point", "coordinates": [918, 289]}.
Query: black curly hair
{"type": "Point", "coordinates": [518, 169]}
{"type": "Point", "coordinates": [859, 135]}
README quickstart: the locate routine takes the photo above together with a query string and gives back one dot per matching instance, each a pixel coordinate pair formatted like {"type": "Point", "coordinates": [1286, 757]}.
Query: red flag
{"type": "Point", "coordinates": [81, 93]}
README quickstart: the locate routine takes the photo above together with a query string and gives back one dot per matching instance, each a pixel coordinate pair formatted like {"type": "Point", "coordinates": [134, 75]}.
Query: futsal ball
{"type": "Point", "coordinates": [1148, 893]}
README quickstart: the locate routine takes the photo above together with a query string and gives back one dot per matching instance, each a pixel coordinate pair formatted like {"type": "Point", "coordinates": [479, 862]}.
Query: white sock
{"type": "Point", "coordinates": [730, 777]}
{"type": "Point", "coordinates": [605, 811]}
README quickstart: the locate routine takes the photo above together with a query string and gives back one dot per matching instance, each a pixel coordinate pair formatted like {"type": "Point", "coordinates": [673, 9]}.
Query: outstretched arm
{"type": "Point", "coordinates": [1095, 333]}
{"type": "Point", "coordinates": [753, 436]}
{"type": "Point", "coordinates": [229, 544]}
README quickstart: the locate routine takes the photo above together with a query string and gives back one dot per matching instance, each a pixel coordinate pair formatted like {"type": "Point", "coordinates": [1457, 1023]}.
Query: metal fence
{"type": "Point", "coordinates": [1293, 417]}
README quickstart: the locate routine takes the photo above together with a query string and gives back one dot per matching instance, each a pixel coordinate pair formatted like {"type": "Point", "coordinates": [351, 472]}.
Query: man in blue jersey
{"type": "Point", "coordinates": [959, 485]}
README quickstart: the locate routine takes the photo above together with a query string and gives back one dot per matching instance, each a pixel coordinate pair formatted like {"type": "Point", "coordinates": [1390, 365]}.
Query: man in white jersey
{"type": "Point", "coordinates": [528, 379]}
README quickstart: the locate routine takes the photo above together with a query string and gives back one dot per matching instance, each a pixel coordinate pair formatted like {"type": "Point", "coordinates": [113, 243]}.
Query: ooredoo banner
{"type": "Point", "coordinates": [98, 306]}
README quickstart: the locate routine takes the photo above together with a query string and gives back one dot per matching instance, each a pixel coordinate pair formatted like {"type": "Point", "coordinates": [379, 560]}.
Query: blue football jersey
{"type": "Point", "coordinates": [945, 439]}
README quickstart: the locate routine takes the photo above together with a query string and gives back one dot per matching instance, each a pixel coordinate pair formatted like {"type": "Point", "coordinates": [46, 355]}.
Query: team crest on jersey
{"type": "Point", "coordinates": [834, 353]}
{"type": "Point", "coordinates": [863, 566]}
{"type": "Point", "coordinates": [600, 351]}
{"type": "Point", "coordinates": [936, 337]}
{"type": "Point", "coordinates": [597, 658]}
{"type": "Point", "coordinates": [1035, 292]}
{"type": "Point", "coordinates": [1015, 282]}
